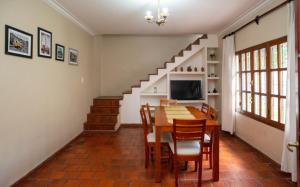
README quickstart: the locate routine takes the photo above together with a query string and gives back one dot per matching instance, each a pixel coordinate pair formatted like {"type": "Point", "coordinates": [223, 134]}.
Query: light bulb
{"type": "Point", "coordinates": [148, 13]}
{"type": "Point", "coordinates": [165, 13]}
{"type": "Point", "coordinates": [149, 16]}
{"type": "Point", "coordinates": [165, 10]}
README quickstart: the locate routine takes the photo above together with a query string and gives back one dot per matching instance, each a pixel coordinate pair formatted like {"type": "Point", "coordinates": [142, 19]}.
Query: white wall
{"type": "Point", "coordinates": [43, 103]}
{"type": "Point", "coordinates": [129, 58]}
{"type": "Point", "coordinates": [265, 138]}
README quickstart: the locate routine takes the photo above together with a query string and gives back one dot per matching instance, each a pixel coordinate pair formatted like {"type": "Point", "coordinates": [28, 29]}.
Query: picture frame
{"type": "Point", "coordinates": [18, 42]}
{"type": "Point", "coordinates": [44, 43]}
{"type": "Point", "coordinates": [73, 56]}
{"type": "Point", "coordinates": [59, 52]}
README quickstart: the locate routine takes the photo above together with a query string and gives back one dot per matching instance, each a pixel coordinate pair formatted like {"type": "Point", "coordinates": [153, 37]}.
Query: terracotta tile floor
{"type": "Point", "coordinates": [117, 160]}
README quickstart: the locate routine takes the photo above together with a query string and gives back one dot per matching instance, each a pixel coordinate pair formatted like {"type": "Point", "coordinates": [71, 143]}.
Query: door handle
{"type": "Point", "coordinates": [291, 145]}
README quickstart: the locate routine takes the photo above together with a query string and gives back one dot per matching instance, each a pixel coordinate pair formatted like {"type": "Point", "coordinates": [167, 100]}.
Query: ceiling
{"type": "Point", "coordinates": [127, 16]}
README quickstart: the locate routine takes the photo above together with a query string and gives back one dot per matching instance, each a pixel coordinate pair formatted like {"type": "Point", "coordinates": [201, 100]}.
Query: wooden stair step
{"type": "Point", "coordinates": [92, 126]}
{"type": "Point", "coordinates": [104, 110]}
{"type": "Point", "coordinates": [99, 119]}
{"type": "Point", "coordinates": [106, 102]}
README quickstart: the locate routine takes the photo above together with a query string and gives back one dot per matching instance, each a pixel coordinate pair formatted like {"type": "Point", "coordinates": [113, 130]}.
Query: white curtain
{"type": "Point", "coordinates": [289, 159]}
{"type": "Point", "coordinates": [228, 85]}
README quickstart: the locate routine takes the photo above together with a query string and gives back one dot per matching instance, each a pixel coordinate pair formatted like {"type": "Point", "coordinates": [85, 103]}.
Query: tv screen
{"type": "Point", "coordinates": [186, 89]}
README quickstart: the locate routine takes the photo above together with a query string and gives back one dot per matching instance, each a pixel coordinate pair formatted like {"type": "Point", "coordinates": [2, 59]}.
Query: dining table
{"type": "Point", "coordinates": [164, 124]}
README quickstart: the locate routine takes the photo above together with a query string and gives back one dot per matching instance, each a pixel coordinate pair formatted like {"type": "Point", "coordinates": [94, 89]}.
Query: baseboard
{"type": "Point", "coordinates": [47, 160]}
{"type": "Point", "coordinates": [131, 125]}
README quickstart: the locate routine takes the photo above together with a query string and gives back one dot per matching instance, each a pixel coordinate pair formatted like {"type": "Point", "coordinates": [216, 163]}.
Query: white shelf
{"type": "Point", "coordinates": [212, 62]}
{"type": "Point", "coordinates": [186, 73]}
{"type": "Point", "coordinates": [154, 94]}
{"type": "Point", "coordinates": [191, 101]}
{"type": "Point", "coordinates": [213, 94]}
{"type": "Point", "coordinates": [213, 78]}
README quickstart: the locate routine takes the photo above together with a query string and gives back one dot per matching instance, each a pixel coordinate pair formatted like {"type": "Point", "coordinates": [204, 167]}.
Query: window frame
{"type": "Point", "coordinates": [267, 46]}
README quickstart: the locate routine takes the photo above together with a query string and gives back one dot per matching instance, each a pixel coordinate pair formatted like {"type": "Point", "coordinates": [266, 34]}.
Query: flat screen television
{"type": "Point", "coordinates": [186, 89]}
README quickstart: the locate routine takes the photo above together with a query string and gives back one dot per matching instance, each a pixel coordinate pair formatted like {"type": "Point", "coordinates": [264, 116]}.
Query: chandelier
{"type": "Point", "coordinates": [162, 15]}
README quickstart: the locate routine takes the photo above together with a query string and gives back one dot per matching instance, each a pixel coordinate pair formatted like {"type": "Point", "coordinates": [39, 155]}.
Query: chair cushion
{"type": "Point", "coordinates": [206, 138]}
{"type": "Point", "coordinates": [164, 137]}
{"type": "Point", "coordinates": [186, 147]}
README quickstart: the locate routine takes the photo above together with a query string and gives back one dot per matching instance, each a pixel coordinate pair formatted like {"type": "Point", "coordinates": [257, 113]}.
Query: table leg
{"type": "Point", "coordinates": [216, 157]}
{"type": "Point", "coordinates": [157, 155]}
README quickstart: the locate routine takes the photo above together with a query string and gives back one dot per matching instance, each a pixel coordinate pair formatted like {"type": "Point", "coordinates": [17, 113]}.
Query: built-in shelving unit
{"type": "Point", "coordinates": [213, 78]}
{"type": "Point", "coordinates": [187, 73]}
{"type": "Point", "coordinates": [202, 66]}
{"type": "Point", "coordinates": [154, 94]}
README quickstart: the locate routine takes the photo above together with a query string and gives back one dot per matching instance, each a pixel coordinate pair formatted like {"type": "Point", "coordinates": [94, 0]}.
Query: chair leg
{"type": "Point", "coordinates": [196, 165]}
{"type": "Point", "coordinates": [210, 158]}
{"type": "Point", "coordinates": [146, 156]}
{"type": "Point", "coordinates": [200, 172]}
{"type": "Point", "coordinates": [152, 155]}
{"type": "Point", "coordinates": [185, 165]}
{"type": "Point", "coordinates": [175, 171]}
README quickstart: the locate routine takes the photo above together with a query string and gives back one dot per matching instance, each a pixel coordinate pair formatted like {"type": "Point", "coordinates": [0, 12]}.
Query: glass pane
{"type": "Point", "coordinates": [264, 106]}
{"type": "Point", "coordinates": [243, 62]}
{"type": "Point", "coordinates": [244, 81]}
{"type": "Point", "coordinates": [274, 82]}
{"type": "Point", "coordinates": [256, 60]}
{"type": "Point", "coordinates": [283, 83]}
{"type": "Point", "coordinates": [263, 82]}
{"type": "Point", "coordinates": [274, 59]}
{"type": "Point", "coordinates": [256, 81]}
{"type": "Point", "coordinates": [257, 104]}
{"type": "Point", "coordinates": [248, 81]}
{"type": "Point", "coordinates": [282, 110]}
{"type": "Point", "coordinates": [263, 59]}
{"type": "Point", "coordinates": [244, 101]}
{"type": "Point", "coordinates": [249, 101]}
{"type": "Point", "coordinates": [248, 62]}
{"type": "Point", "coordinates": [283, 55]}
{"type": "Point", "coordinates": [274, 108]}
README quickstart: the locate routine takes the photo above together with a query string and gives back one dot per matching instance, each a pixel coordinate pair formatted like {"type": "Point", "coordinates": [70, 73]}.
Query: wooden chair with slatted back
{"type": "Point", "coordinates": [205, 108]}
{"type": "Point", "coordinates": [212, 113]}
{"type": "Point", "coordinates": [149, 137]}
{"type": "Point", "coordinates": [151, 118]}
{"type": "Point", "coordinates": [167, 102]}
{"type": "Point", "coordinates": [187, 144]}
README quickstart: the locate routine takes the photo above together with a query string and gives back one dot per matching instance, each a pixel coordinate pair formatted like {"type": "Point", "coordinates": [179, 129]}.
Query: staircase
{"type": "Point", "coordinates": [103, 114]}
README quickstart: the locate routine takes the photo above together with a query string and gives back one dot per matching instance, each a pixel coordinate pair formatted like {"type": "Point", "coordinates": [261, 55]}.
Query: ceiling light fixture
{"type": "Point", "coordinates": [162, 15]}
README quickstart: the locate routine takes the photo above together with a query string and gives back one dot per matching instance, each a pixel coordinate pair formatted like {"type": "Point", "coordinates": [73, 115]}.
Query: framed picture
{"type": "Point", "coordinates": [73, 56]}
{"type": "Point", "coordinates": [44, 43]}
{"type": "Point", "coordinates": [59, 52]}
{"type": "Point", "coordinates": [17, 42]}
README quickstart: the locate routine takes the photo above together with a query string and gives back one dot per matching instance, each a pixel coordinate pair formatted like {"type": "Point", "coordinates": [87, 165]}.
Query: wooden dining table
{"type": "Point", "coordinates": [162, 125]}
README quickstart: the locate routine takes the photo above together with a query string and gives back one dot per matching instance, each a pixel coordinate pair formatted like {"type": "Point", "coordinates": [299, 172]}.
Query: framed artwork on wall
{"type": "Point", "coordinates": [17, 42]}
{"type": "Point", "coordinates": [60, 52]}
{"type": "Point", "coordinates": [73, 56]}
{"type": "Point", "coordinates": [44, 43]}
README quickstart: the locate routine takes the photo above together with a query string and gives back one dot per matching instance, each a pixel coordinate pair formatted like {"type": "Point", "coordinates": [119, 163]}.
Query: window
{"type": "Point", "coordinates": [261, 84]}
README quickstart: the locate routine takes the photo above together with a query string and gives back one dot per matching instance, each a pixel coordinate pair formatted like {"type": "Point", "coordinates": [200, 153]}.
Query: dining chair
{"type": "Point", "coordinates": [212, 113]}
{"type": "Point", "coordinates": [167, 102]}
{"type": "Point", "coordinates": [150, 116]}
{"type": "Point", "coordinates": [205, 108]}
{"type": "Point", "coordinates": [187, 144]}
{"type": "Point", "coordinates": [149, 137]}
